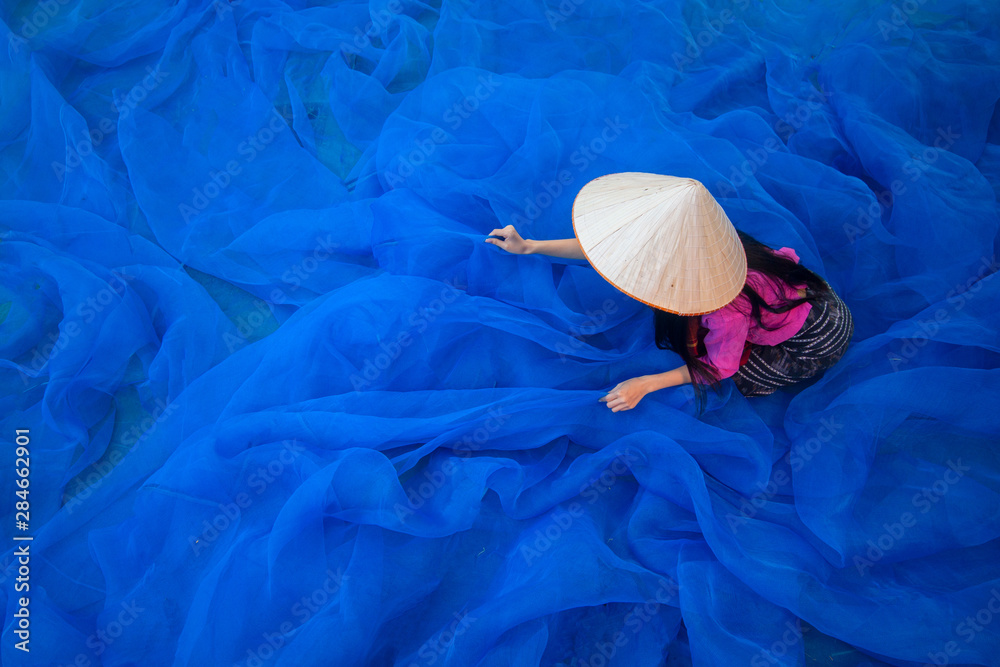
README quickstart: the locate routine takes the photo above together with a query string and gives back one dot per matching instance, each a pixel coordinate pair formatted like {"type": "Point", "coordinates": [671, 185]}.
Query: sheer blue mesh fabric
{"type": "Point", "coordinates": [286, 407]}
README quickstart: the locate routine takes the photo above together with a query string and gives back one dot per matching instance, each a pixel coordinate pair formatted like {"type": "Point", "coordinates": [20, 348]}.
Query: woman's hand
{"type": "Point", "coordinates": [626, 395]}
{"type": "Point", "coordinates": [511, 241]}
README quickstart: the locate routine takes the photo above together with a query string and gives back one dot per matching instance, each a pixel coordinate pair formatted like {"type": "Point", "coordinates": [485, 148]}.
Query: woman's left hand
{"type": "Point", "coordinates": [626, 395]}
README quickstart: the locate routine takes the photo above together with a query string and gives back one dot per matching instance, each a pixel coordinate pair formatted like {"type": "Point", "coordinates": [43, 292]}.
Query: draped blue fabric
{"type": "Point", "coordinates": [286, 407]}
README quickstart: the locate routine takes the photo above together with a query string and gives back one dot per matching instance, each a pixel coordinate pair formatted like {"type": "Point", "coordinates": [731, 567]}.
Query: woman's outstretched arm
{"type": "Point", "coordinates": [512, 242]}
{"type": "Point", "coordinates": [626, 395]}
{"type": "Point", "coordinates": [679, 375]}
{"type": "Point", "coordinates": [568, 248]}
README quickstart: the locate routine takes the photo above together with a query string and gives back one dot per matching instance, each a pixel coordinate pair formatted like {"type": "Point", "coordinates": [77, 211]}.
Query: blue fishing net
{"type": "Point", "coordinates": [284, 406]}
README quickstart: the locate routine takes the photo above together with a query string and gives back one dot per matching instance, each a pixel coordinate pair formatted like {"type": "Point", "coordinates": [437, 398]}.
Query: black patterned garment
{"type": "Point", "coordinates": [820, 344]}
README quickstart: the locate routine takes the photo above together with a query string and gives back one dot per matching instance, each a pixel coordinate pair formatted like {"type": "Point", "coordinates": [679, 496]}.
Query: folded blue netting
{"type": "Point", "coordinates": [285, 406]}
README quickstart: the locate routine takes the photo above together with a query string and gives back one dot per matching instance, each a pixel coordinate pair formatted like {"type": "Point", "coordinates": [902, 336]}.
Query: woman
{"type": "Point", "coordinates": [729, 305]}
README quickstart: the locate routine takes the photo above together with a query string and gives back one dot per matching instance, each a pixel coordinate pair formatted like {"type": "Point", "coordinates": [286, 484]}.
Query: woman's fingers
{"type": "Point", "coordinates": [617, 403]}
{"type": "Point", "coordinates": [508, 240]}
{"type": "Point", "coordinates": [503, 242]}
{"type": "Point", "coordinates": [505, 232]}
{"type": "Point", "coordinates": [500, 243]}
{"type": "Point", "coordinates": [612, 393]}
{"type": "Point", "coordinates": [615, 400]}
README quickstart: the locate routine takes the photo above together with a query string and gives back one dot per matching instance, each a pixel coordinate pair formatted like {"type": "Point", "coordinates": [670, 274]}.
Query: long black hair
{"type": "Point", "coordinates": [671, 331]}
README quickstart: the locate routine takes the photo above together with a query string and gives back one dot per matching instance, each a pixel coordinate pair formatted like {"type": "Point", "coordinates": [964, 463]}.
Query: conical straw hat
{"type": "Point", "coordinates": [663, 240]}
